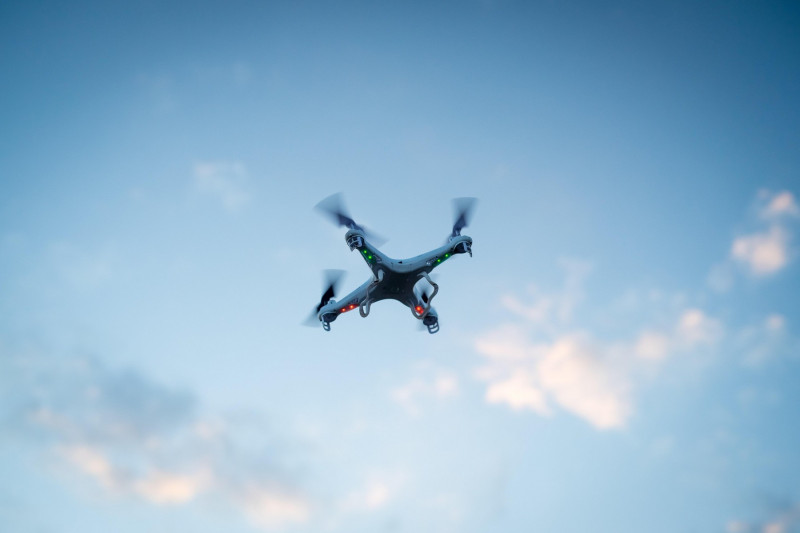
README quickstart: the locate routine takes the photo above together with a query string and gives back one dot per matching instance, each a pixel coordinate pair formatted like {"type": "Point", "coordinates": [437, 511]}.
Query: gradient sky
{"type": "Point", "coordinates": [620, 355]}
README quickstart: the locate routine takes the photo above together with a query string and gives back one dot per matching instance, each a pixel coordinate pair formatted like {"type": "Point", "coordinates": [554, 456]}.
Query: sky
{"type": "Point", "coordinates": [621, 354]}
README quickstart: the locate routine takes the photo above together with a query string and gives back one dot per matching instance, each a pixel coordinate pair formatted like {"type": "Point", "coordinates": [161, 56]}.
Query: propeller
{"type": "Point", "coordinates": [333, 208]}
{"type": "Point", "coordinates": [463, 208]}
{"type": "Point", "coordinates": [330, 280]}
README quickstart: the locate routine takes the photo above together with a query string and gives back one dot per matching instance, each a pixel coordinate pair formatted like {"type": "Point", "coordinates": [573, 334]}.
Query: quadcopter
{"type": "Point", "coordinates": [395, 279]}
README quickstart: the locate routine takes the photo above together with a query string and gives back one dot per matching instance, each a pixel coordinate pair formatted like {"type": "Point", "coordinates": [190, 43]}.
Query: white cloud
{"type": "Point", "coordinates": [774, 527]}
{"type": "Point", "coordinates": [592, 379]}
{"type": "Point", "coordinates": [271, 508]}
{"type": "Point", "coordinates": [778, 204]}
{"type": "Point", "coordinates": [520, 392]}
{"type": "Point", "coordinates": [225, 181]}
{"type": "Point", "coordinates": [775, 323]}
{"type": "Point", "coordinates": [782, 521]}
{"type": "Point", "coordinates": [164, 487]}
{"type": "Point", "coordinates": [135, 438]}
{"type": "Point", "coordinates": [156, 486]}
{"type": "Point", "coordinates": [506, 342]}
{"type": "Point", "coordinates": [91, 462]}
{"type": "Point", "coordinates": [695, 328]}
{"type": "Point", "coordinates": [570, 372]}
{"type": "Point", "coordinates": [763, 253]}
{"type": "Point", "coordinates": [652, 345]}
{"type": "Point", "coordinates": [767, 248]}
{"type": "Point", "coordinates": [582, 382]}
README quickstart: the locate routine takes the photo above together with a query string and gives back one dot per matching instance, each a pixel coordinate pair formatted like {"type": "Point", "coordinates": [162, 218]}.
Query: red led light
{"type": "Point", "coordinates": [343, 309]}
{"type": "Point", "coordinates": [352, 306]}
{"type": "Point", "coordinates": [419, 309]}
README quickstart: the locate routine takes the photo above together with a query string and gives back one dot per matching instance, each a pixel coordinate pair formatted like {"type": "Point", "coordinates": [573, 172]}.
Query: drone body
{"type": "Point", "coordinates": [395, 279]}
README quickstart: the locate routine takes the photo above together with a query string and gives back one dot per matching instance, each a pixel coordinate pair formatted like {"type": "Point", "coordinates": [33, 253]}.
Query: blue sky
{"type": "Point", "coordinates": [621, 354]}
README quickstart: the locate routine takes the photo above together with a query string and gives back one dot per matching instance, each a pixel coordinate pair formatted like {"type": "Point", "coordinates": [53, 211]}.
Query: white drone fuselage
{"type": "Point", "coordinates": [394, 279]}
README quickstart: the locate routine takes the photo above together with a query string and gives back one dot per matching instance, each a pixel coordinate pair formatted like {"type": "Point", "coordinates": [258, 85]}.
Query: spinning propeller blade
{"type": "Point", "coordinates": [463, 208]}
{"type": "Point", "coordinates": [333, 208]}
{"type": "Point", "coordinates": [331, 279]}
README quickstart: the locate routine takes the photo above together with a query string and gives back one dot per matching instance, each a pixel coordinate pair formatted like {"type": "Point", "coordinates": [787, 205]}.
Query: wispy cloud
{"type": "Point", "coordinates": [225, 181]}
{"type": "Point", "coordinates": [550, 310]}
{"type": "Point", "coordinates": [544, 361]}
{"type": "Point", "coordinates": [765, 340]}
{"type": "Point", "coordinates": [762, 253]}
{"type": "Point", "coordinates": [785, 520]}
{"type": "Point", "coordinates": [136, 438]}
{"type": "Point", "coordinates": [374, 495]}
{"type": "Point", "coordinates": [431, 384]}
{"type": "Point", "coordinates": [767, 248]}
{"type": "Point", "coordinates": [693, 328]}
{"type": "Point", "coordinates": [776, 205]}
{"type": "Point", "coordinates": [571, 371]}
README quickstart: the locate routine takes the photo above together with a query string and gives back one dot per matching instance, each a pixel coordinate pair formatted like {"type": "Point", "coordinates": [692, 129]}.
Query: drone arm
{"type": "Point", "coordinates": [369, 252]}
{"type": "Point", "coordinates": [430, 260]}
{"type": "Point", "coordinates": [355, 299]}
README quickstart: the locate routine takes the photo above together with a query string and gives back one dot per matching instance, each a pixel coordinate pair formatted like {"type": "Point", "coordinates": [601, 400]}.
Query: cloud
{"type": "Point", "coordinates": [763, 253]}
{"type": "Point", "coordinates": [544, 362]}
{"type": "Point", "coordinates": [776, 205]}
{"type": "Point", "coordinates": [765, 340]}
{"type": "Point", "coordinates": [375, 495]}
{"type": "Point", "coordinates": [133, 437]}
{"type": "Point", "coordinates": [226, 181]}
{"type": "Point", "coordinates": [271, 508]}
{"type": "Point", "coordinates": [767, 248]}
{"type": "Point", "coordinates": [443, 384]}
{"type": "Point", "coordinates": [785, 520]}
{"type": "Point", "coordinates": [582, 382]}
{"type": "Point", "coordinates": [519, 391]}
{"type": "Point", "coordinates": [550, 310]}
{"type": "Point", "coordinates": [570, 372]}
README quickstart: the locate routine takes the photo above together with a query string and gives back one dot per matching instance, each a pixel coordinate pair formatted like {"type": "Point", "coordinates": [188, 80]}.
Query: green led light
{"type": "Point", "coordinates": [447, 255]}
{"type": "Point", "coordinates": [438, 260]}
{"type": "Point", "coordinates": [369, 257]}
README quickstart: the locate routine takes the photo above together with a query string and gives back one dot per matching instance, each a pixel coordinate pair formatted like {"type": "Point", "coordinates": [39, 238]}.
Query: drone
{"type": "Point", "coordinates": [392, 279]}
